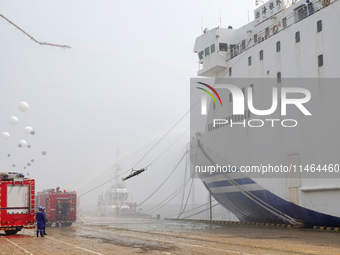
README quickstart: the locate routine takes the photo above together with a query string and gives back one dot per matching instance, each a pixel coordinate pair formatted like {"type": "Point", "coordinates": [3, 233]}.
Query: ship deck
{"type": "Point", "coordinates": [130, 236]}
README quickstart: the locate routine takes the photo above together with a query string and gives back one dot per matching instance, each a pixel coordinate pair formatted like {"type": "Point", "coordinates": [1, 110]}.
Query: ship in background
{"type": "Point", "coordinates": [117, 200]}
{"type": "Point", "coordinates": [286, 40]}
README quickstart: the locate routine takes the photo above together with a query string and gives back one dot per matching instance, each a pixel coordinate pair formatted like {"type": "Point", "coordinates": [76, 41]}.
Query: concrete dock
{"type": "Point", "coordinates": [135, 236]}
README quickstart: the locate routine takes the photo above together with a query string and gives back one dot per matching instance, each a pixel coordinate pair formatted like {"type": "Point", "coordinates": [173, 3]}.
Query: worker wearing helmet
{"type": "Point", "coordinates": [45, 217]}
{"type": "Point", "coordinates": [40, 219]}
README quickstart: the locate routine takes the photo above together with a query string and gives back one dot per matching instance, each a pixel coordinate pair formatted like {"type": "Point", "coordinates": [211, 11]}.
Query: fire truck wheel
{"type": "Point", "coordinates": [11, 232]}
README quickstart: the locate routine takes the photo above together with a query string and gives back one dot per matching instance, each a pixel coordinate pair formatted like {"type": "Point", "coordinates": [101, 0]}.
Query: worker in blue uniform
{"type": "Point", "coordinates": [43, 211]}
{"type": "Point", "coordinates": [310, 7]}
{"type": "Point", "coordinates": [40, 219]}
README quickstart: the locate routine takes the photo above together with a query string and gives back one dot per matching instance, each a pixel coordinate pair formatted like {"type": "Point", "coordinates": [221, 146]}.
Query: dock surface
{"type": "Point", "coordinates": [146, 236]}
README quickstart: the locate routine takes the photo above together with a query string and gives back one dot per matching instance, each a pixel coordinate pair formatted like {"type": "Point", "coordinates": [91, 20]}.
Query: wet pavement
{"type": "Point", "coordinates": [138, 236]}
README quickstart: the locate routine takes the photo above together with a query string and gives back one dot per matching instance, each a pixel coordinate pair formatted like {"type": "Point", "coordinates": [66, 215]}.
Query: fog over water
{"type": "Point", "coordinates": [110, 98]}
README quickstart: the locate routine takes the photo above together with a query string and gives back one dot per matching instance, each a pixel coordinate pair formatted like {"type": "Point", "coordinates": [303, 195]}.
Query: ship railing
{"type": "Point", "coordinates": [301, 12]}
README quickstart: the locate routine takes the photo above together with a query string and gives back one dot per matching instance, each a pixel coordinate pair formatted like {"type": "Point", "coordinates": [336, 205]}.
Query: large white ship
{"type": "Point", "coordinates": [298, 40]}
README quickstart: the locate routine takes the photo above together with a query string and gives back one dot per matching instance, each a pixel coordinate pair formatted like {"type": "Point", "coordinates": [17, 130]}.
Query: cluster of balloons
{"type": "Point", "coordinates": [13, 120]}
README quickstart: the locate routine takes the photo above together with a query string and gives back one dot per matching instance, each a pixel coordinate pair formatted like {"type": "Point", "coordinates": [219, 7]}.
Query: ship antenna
{"type": "Point", "coordinates": [220, 16]}
{"type": "Point", "coordinates": [201, 25]}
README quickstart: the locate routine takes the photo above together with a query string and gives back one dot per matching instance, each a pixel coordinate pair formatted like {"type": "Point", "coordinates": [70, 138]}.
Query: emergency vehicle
{"type": "Point", "coordinates": [60, 206]}
{"type": "Point", "coordinates": [16, 202]}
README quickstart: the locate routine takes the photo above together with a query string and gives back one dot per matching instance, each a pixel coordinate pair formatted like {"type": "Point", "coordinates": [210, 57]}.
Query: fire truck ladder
{"type": "Point", "coordinates": [32, 199]}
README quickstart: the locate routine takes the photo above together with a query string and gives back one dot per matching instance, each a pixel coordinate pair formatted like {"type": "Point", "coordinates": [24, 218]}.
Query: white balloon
{"type": "Point", "coordinates": [23, 106]}
{"type": "Point", "coordinates": [23, 143]}
{"type": "Point", "coordinates": [5, 135]}
{"type": "Point", "coordinates": [28, 130]}
{"type": "Point", "coordinates": [13, 120]}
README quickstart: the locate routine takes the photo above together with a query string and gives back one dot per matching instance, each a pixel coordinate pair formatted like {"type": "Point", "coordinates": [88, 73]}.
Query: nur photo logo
{"type": "Point", "coordinates": [243, 102]}
{"type": "Point", "coordinates": [204, 98]}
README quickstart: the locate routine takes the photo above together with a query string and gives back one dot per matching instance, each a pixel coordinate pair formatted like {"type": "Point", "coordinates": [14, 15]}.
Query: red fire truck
{"type": "Point", "coordinates": [61, 206]}
{"type": "Point", "coordinates": [16, 202]}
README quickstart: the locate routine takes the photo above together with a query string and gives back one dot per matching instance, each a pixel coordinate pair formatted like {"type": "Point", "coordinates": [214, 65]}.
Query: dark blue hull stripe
{"type": "Point", "coordinates": [243, 181]}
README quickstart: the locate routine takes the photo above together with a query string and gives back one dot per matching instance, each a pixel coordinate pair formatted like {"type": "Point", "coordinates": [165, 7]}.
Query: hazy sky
{"type": "Point", "coordinates": [123, 84]}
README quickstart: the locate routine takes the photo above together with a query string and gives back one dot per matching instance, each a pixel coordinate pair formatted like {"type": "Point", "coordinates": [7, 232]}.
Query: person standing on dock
{"type": "Point", "coordinates": [40, 219]}
{"type": "Point", "coordinates": [45, 217]}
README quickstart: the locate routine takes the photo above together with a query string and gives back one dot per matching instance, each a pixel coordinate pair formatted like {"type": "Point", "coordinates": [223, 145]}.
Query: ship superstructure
{"type": "Point", "coordinates": [291, 43]}
{"type": "Point", "coordinates": [117, 200]}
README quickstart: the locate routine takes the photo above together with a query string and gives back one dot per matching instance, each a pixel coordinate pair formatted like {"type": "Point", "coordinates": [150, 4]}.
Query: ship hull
{"type": "Point", "coordinates": [261, 199]}
{"type": "Point", "coordinates": [247, 209]}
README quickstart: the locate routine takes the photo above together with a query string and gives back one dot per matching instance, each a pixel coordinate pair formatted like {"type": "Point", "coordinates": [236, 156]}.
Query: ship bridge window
{"type": "Point", "coordinates": [297, 37]}
{"type": "Point", "coordinates": [320, 60]}
{"type": "Point", "coordinates": [249, 61]}
{"type": "Point", "coordinates": [278, 46]}
{"type": "Point", "coordinates": [233, 53]}
{"type": "Point", "coordinates": [255, 38]}
{"type": "Point", "coordinates": [223, 47]}
{"type": "Point", "coordinates": [243, 45]}
{"type": "Point", "coordinates": [235, 50]}
{"type": "Point", "coordinates": [284, 21]}
{"type": "Point", "coordinates": [319, 25]}
{"type": "Point", "coordinates": [261, 55]}
{"type": "Point", "coordinates": [301, 13]}
{"type": "Point", "coordinates": [212, 48]}
{"type": "Point", "coordinates": [207, 51]}
{"type": "Point", "coordinates": [200, 55]}
{"type": "Point", "coordinates": [230, 71]}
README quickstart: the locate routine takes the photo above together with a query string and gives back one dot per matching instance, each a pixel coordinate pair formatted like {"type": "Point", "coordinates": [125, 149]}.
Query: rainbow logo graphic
{"type": "Point", "coordinates": [204, 99]}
